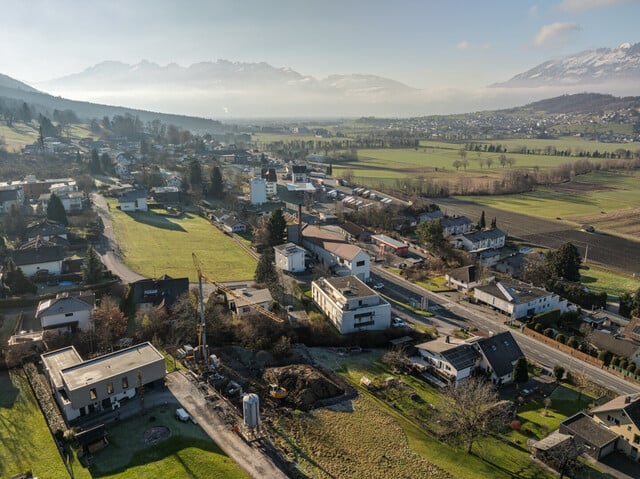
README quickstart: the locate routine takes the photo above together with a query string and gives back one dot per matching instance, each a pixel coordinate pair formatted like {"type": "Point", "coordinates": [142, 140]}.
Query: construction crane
{"type": "Point", "coordinates": [229, 292]}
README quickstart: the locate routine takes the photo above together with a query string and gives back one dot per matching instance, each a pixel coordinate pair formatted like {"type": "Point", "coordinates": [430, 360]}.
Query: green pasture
{"type": "Point", "coordinates": [19, 135]}
{"type": "Point", "coordinates": [27, 444]}
{"type": "Point", "coordinates": [153, 245]}
{"type": "Point", "coordinates": [619, 191]}
{"type": "Point", "coordinates": [600, 280]}
{"type": "Point", "coordinates": [187, 452]}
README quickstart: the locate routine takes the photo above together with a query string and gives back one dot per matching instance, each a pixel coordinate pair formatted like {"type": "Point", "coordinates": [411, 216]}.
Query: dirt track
{"type": "Point", "coordinates": [610, 251]}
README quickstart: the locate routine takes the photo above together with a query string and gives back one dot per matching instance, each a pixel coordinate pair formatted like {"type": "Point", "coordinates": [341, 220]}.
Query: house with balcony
{"type": "Point", "coordinates": [449, 360]}
{"type": "Point", "coordinates": [622, 417]}
{"type": "Point", "coordinates": [480, 240]}
{"type": "Point", "coordinates": [350, 304]}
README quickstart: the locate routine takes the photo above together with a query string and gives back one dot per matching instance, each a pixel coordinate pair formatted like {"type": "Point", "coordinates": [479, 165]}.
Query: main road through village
{"type": "Point", "coordinates": [451, 313]}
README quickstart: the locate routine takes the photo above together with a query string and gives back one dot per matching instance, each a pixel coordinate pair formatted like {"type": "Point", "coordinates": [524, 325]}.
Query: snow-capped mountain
{"type": "Point", "coordinates": [591, 67]}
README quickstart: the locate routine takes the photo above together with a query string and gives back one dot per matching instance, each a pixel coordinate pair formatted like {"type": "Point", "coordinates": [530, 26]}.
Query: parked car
{"type": "Point", "coordinates": [378, 286]}
{"type": "Point", "coordinates": [397, 323]}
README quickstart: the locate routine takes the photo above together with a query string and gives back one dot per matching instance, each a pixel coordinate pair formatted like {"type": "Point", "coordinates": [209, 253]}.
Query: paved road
{"type": "Point", "coordinates": [464, 314]}
{"type": "Point", "coordinates": [252, 460]}
{"type": "Point", "coordinates": [108, 249]}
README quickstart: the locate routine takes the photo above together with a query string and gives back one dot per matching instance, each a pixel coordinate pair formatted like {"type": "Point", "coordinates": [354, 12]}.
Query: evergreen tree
{"type": "Point", "coordinates": [94, 165]}
{"type": "Point", "coordinates": [276, 227]}
{"type": "Point", "coordinates": [14, 223]}
{"type": "Point", "coordinates": [482, 224]}
{"type": "Point", "coordinates": [91, 267]}
{"type": "Point", "coordinates": [17, 282]}
{"type": "Point", "coordinates": [564, 262]}
{"type": "Point", "coordinates": [217, 185]}
{"type": "Point", "coordinates": [105, 163]}
{"type": "Point", "coordinates": [431, 233]}
{"type": "Point", "coordinates": [266, 270]}
{"type": "Point", "coordinates": [520, 374]}
{"type": "Point", "coordinates": [55, 210]}
{"type": "Point", "coordinates": [195, 174]}
{"type": "Point", "coordinates": [494, 223]}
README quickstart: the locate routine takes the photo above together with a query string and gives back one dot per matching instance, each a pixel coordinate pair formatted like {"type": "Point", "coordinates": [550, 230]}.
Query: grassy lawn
{"type": "Point", "coordinates": [19, 135]}
{"type": "Point", "coordinates": [187, 452]}
{"type": "Point", "coordinates": [26, 442]}
{"type": "Point", "coordinates": [493, 458]}
{"type": "Point", "coordinates": [601, 280]}
{"type": "Point", "coordinates": [154, 245]}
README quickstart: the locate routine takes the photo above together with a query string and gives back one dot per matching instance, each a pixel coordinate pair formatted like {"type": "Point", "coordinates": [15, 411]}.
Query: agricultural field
{"type": "Point", "coordinates": [26, 442]}
{"type": "Point", "coordinates": [19, 135]}
{"type": "Point", "coordinates": [158, 445]}
{"type": "Point", "coordinates": [153, 245]}
{"type": "Point", "coordinates": [395, 412]}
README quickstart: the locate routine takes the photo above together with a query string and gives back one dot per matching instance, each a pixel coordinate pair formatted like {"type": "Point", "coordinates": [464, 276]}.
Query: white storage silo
{"type": "Point", "coordinates": [251, 410]}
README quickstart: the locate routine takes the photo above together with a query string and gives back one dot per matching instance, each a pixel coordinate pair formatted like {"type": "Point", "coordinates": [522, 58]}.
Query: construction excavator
{"type": "Point", "coordinates": [275, 390]}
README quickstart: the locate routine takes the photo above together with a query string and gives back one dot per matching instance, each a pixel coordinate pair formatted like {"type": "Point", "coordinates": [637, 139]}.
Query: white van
{"type": "Point", "coordinates": [182, 415]}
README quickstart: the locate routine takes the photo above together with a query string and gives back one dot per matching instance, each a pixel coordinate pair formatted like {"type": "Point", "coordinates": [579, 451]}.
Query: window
{"type": "Point", "coordinates": [636, 439]}
{"type": "Point", "coordinates": [109, 388]}
{"type": "Point", "coordinates": [93, 395]}
{"type": "Point", "coordinates": [68, 314]}
{"type": "Point", "coordinates": [125, 383]}
{"type": "Point", "coordinates": [360, 263]}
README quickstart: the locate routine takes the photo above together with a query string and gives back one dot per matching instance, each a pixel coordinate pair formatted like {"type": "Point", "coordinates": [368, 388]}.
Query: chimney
{"type": "Point", "coordinates": [627, 399]}
{"type": "Point", "coordinates": [446, 339]}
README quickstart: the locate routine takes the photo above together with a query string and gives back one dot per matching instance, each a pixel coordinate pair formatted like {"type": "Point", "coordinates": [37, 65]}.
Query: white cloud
{"type": "Point", "coordinates": [465, 45]}
{"type": "Point", "coordinates": [549, 34]}
{"type": "Point", "coordinates": [533, 11]}
{"type": "Point", "coordinates": [582, 5]}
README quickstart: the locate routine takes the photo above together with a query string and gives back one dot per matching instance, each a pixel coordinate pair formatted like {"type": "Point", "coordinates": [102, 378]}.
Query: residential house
{"type": "Point", "coordinates": [134, 200]}
{"type": "Point", "coordinates": [243, 301]}
{"type": "Point", "coordinates": [66, 313]}
{"type": "Point", "coordinates": [622, 417]}
{"type": "Point", "coordinates": [593, 437]}
{"type": "Point", "coordinates": [161, 292]}
{"type": "Point", "coordinates": [299, 174]}
{"type": "Point", "coordinates": [334, 252]}
{"type": "Point", "coordinates": [456, 226]}
{"type": "Point", "coordinates": [350, 304]}
{"type": "Point", "coordinates": [449, 361]}
{"type": "Point", "coordinates": [385, 243]}
{"type": "Point", "coordinates": [83, 387]}
{"type": "Point", "coordinates": [39, 255]}
{"type": "Point", "coordinates": [605, 340]}
{"type": "Point", "coordinates": [354, 232]}
{"type": "Point", "coordinates": [511, 265]}
{"type": "Point", "coordinates": [480, 240]}
{"type": "Point", "coordinates": [552, 449]}
{"type": "Point", "coordinates": [465, 278]}
{"type": "Point", "coordinates": [47, 230]}
{"type": "Point", "coordinates": [430, 216]}
{"type": "Point", "coordinates": [166, 194]}
{"type": "Point", "coordinates": [271, 179]}
{"type": "Point", "coordinates": [234, 225]}
{"type": "Point", "coordinates": [10, 195]}
{"type": "Point", "coordinates": [486, 258]}
{"type": "Point", "coordinates": [258, 191]}
{"type": "Point", "coordinates": [519, 300]}
{"type": "Point", "coordinates": [498, 355]}
{"type": "Point", "coordinates": [290, 257]}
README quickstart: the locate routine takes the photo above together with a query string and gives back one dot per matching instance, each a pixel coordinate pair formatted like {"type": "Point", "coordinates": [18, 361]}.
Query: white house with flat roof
{"type": "Point", "coordinates": [84, 387]}
{"type": "Point", "coordinates": [290, 257]}
{"type": "Point", "coordinates": [350, 304]}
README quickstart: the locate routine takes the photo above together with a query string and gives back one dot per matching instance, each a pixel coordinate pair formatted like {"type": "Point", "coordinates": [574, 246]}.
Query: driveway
{"type": "Point", "coordinates": [108, 248]}
{"type": "Point", "coordinates": [252, 460]}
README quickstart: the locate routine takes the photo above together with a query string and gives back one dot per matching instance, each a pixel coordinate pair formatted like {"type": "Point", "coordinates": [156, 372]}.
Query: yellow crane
{"type": "Point", "coordinates": [230, 292]}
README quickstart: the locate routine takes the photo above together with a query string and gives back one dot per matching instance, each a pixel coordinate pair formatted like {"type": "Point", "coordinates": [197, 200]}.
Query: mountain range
{"type": "Point", "coordinates": [225, 90]}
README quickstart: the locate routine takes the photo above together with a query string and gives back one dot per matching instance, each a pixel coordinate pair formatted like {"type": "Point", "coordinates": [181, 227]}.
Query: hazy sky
{"type": "Point", "coordinates": [424, 43]}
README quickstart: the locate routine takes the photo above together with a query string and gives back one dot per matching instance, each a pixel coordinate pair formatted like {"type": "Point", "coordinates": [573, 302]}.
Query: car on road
{"type": "Point", "coordinates": [397, 323]}
{"type": "Point", "coordinates": [378, 286]}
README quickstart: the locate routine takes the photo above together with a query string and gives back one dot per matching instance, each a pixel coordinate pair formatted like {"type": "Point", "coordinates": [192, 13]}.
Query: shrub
{"type": "Point", "coordinates": [605, 357]}
{"type": "Point", "coordinates": [623, 363]}
{"type": "Point", "coordinates": [537, 327]}
{"type": "Point", "coordinates": [573, 342]}
{"type": "Point", "coordinates": [615, 361]}
{"type": "Point", "coordinates": [561, 338]}
{"type": "Point", "coordinates": [548, 333]}
{"type": "Point", "coordinates": [558, 372]}
{"type": "Point", "coordinates": [548, 318]}
{"type": "Point", "coordinates": [631, 368]}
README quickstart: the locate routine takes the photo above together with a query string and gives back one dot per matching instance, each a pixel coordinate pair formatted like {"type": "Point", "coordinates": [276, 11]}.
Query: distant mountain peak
{"type": "Point", "coordinates": [588, 67]}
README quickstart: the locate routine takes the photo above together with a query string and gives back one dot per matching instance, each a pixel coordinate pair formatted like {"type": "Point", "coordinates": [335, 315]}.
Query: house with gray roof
{"type": "Point", "coordinates": [622, 417]}
{"type": "Point", "coordinates": [39, 255]}
{"type": "Point", "coordinates": [456, 225]}
{"type": "Point", "coordinates": [46, 229]}
{"type": "Point", "coordinates": [594, 438]}
{"type": "Point", "coordinates": [480, 240]}
{"type": "Point", "coordinates": [66, 313]}
{"type": "Point", "coordinates": [465, 278]}
{"type": "Point", "coordinates": [10, 195]}
{"type": "Point", "coordinates": [498, 354]}
{"type": "Point", "coordinates": [134, 200]}
{"type": "Point", "coordinates": [448, 359]}
{"type": "Point", "coordinates": [519, 300]}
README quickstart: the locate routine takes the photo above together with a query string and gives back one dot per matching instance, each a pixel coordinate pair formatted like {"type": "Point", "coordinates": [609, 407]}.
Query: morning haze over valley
{"type": "Point", "coordinates": [331, 240]}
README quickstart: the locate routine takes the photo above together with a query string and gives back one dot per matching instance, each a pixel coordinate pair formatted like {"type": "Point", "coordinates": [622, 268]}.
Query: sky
{"type": "Point", "coordinates": [423, 43]}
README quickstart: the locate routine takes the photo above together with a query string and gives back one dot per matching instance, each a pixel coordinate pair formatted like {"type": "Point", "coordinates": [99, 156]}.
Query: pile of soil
{"type": "Point", "coordinates": [306, 386]}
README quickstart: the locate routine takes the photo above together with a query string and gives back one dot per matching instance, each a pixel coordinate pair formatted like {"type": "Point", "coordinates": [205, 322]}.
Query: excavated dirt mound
{"type": "Point", "coordinates": [306, 386]}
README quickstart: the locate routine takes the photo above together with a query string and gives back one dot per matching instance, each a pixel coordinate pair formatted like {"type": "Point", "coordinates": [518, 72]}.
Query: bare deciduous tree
{"type": "Point", "coordinates": [472, 410]}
